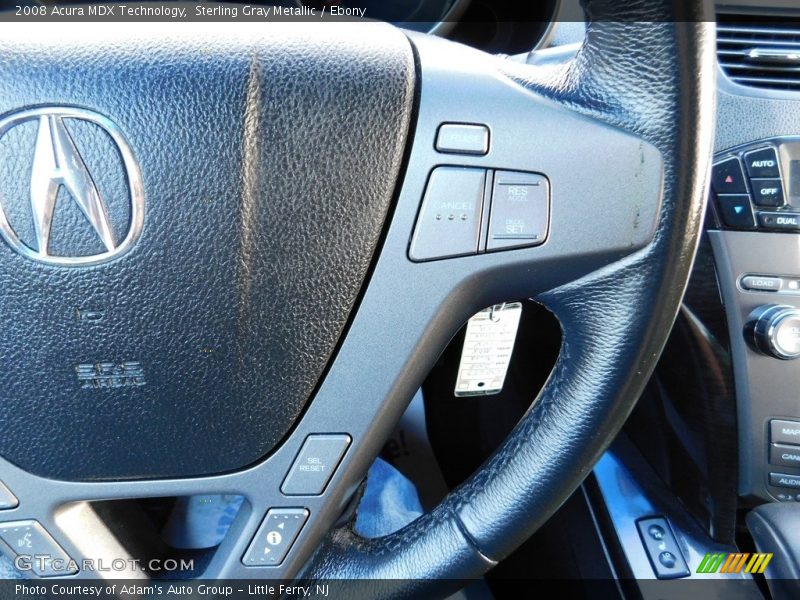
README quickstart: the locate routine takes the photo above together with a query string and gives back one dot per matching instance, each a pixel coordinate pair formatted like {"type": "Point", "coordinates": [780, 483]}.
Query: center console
{"type": "Point", "coordinates": [756, 244]}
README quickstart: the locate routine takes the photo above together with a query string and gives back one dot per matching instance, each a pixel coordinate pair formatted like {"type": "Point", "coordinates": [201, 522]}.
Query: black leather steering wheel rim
{"type": "Point", "coordinates": [648, 68]}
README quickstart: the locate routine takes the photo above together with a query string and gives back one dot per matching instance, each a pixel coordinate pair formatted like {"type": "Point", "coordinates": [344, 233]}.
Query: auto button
{"type": "Point", "coordinates": [762, 163]}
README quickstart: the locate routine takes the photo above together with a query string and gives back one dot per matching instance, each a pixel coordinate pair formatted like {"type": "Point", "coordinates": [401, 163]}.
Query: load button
{"type": "Point", "coordinates": [315, 464]}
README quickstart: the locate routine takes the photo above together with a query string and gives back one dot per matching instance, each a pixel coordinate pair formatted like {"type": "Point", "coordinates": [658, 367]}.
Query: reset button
{"type": "Point", "coordinates": [315, 464]}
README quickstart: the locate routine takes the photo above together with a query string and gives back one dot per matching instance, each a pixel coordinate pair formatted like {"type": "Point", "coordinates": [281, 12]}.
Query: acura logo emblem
{"type": "Point", "coordinates": [57, 163]}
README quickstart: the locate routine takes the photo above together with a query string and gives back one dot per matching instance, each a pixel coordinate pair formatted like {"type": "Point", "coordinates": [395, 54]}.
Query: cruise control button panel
{"type": "Point", "coordinates": [30, 541]}
{"type": "Point", "coordinates": [467, 211]}
{"type": "Point", "coordinates": [275, 537]}
{"type": "Point", "coordinates": [315, 464]}
{"type": "Point", "coordinates": [7, 499]}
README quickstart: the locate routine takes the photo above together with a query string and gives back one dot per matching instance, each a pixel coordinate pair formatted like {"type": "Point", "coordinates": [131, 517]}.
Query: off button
{"type": "Point", "coordinates": [315, 464]}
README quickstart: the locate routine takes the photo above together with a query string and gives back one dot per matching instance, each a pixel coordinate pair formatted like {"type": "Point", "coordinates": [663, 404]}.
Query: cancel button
{"type": "Point", "coordinates": [787, 456]}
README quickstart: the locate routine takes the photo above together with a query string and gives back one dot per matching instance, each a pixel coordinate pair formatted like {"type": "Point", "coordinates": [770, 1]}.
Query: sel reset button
{"type": "Point", "coordinates": [315, 464]}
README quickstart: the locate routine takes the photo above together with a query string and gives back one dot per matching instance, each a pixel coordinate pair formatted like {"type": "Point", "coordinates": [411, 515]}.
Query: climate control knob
{"type": "Point", "coordinates": [774, 330]}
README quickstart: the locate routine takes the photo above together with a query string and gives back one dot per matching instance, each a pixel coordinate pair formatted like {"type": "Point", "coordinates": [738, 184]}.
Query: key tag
{"type": "Point", "coordinates": [488, 345]}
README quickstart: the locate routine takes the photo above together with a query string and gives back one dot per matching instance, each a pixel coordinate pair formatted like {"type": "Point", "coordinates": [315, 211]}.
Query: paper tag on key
{"type": "Point", "coordinates": [488, 345]}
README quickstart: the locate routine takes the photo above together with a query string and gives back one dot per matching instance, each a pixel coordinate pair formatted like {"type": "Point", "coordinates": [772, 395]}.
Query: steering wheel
{"type": "Point", "coordinates": [255, 249]}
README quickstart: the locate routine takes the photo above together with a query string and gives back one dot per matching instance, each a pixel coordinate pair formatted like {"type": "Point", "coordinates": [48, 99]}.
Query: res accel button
{"type": "Point", "coordinates": [315, 464]}
{"type": "Point", "coordinates": [520, 210]}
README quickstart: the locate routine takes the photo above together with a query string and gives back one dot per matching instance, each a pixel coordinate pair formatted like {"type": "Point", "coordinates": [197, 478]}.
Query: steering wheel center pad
{"type": "Point", "coordinates": [269, 165]}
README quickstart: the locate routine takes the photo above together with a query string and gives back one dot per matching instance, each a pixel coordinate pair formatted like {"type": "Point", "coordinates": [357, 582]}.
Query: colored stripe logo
{"type": "Point", "coordinates": [734, 563]}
